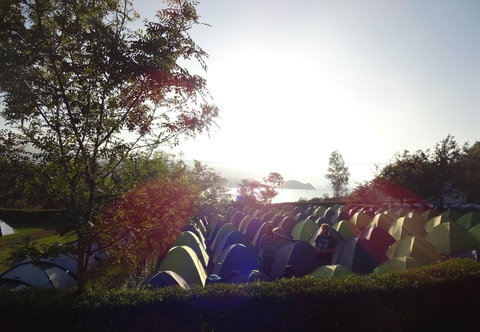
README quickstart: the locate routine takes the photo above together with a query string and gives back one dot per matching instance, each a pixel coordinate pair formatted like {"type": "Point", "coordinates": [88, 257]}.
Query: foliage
{"type": "Point", "coordinates": [425, 175]}
{"type": "Point", "coordinates": [254, 191]}
{"type": "Point", "coordinates": [338, 174]}
{"type": "Point", "coordinates": [89, 95]}
{"type": "Point", "coordinates": [468, 171]}
{"type": "Point", "coordinates": [438, 296]}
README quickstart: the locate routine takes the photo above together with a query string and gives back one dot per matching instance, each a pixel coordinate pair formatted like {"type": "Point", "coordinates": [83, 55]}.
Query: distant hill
{"type": "Point", "coordinates": [293, 184]}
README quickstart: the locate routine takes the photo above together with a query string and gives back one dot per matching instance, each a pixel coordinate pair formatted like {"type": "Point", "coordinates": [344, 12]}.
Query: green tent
{"type": "Point", "coordinates": [183, 261]}
{"type": "Point", "coordinates": [417, 217]}
{"type": "Point", "coordinates": [398, 264]}
{"type": "Point", "coordinates": [304, 230]}
{"type": "Point", "coordinates": [331, 271]}
{"type": "Point", "coordinates": [429, 214]}
{"type": "Point", "coordinates": [320, 211]}
{"type": "Point", "coordinates": [452, 214]}
{"type": "Point", "coordinates": [415, 247]}
{"type": "Point", "coordinates": [382, 220]}
{"type": "Point", "coordinates": [391, 213]}
{"type": "Point", "coordinates": [361, 220]}
{"type": "Point", "coordinates": [468, 220]}
{"type": "Point", "coordinates": [450, 238]}
{"type": "Point", "coordinates": [402, 212]}
{"type": "Point", "coordinates": [192, 241]}
{"type": "Point", "coordinates": [435, 221]}
{"type": "Point", "coordinates": [346, 229]}
{"type": "Point", "coordinates": [475, 231]}
{"type": "Point", "coordinates": [405, 226]}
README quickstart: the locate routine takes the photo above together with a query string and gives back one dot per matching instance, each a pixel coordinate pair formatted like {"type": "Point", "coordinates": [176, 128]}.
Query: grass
{"type": "Point", "coordinates": [41, 233]}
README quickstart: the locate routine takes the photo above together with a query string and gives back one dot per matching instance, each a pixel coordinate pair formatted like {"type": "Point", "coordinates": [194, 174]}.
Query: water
{"type": "Point", "coordinates": [291, 195]}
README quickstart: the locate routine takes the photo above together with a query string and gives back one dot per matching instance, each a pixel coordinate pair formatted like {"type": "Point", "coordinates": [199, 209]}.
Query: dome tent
{"type": "Point", "coordinates": [415, 247]}
{"type": "Point", "coordinates": [405, 226]}
{"type": "Point", "coordinates": [359, 255]}
{"type": "Point", "coordinates": [227, 240]}
{"type": "Point", "coordinates": [398, 264]}
{"type": "Point", "coordinates": [160, 279]}
{"type": "Point", "coordinates": [449, 238]}
{"type": "Point", "coordinates": [41, 274]}
{"type": "Point", "coordinates": [247, 276]}
{"type": "Point", "coordinates": [299, 255]}
{"type": "Point", "coordinates": [235, 257]}
{"type": "Point", "coordinates": [192, 241]}
{"type": "Point", "coordinates": [331, 271]}
{"type": "Point", "coordinates": [380, 237]}
{"type": "Point", "coordinates": [184, 261]}
{"type": "Point", "coordinates": [469, 219]}
{"type": "Point", "coordinates": [6, 229]}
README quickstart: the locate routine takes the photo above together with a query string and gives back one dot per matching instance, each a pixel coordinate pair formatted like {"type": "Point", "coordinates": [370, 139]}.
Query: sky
{"type": "Point", "coordinates": [296, 80]}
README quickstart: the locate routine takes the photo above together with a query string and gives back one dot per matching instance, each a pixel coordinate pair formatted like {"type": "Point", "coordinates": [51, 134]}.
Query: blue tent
{"type": "Point", "coordinates": [359, 255]}
{"type": "Point", "coordinates": [236, 257]}
{"type": "Point", "coordinates": [227, 240]}
{"type": "Point", "coordinates": [380, 237]}
{"type": "Point", "coordinates": [299, 255]}
{"type": "Point", "coordinates": [247, 276]}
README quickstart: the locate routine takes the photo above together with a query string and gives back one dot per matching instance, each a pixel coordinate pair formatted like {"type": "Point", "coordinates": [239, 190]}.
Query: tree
{"type": "Point", "coordinates": [427, 175]}
{"type": "Point", "coordinates": [469, 169]}
{"type": "Point", "coordinates": [88, 93]}
{"type": "Point", "coordinates": [338, 174]}
{"type": "Point", "coordinates": [254, 191]}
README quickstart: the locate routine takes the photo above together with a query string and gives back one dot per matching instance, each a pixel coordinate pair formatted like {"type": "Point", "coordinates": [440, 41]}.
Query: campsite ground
{"type": "Point", "coordinates": [44, 234]}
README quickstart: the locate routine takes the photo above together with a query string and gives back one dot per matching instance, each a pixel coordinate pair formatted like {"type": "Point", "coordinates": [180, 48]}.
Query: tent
{"type": "Point", "coordinates": [42, 274]}
{"type": "Point", "coordinates": [398, 264]}
{"type": "Point", "coordinates": [429, 214]}
{"type": "Point", "coordinates": [304, 229]}
{"type": "Point", "coordinates": [382, 220]}
{"type": "Point", "coordinates": [469, 219]}
{"type": "Point", "coordinates": [320, 211]}
{"type": "Point", "coordinates": [184, 261]}
{"type": "Point", "coordinates": [222, 231]}
{"type": "Point", "coordinates": [361, 220]}
{"type": "Point", "coordinates": [346, 229]}
{"type": "Point", "coordinates": [380, 237]}
{"type": "Point", "coordinates": [415, 247]}
{"type": "Point", "coordinates": [192, 241]}
{"type": "Point", "coordinates": [252, 227]}
{"type": "Point", "coordinates": [450, 238]}
{"type": "Point", "coordinates": [417, 217]}
{"type": "Point", "coordinates": [288, 223]}
{"type": "Point", "coordinates": [331, 271]}
{"type": "Point", "coordinates": [227, 240]}
{"type": "Point", "coordinates": [6, 229]}
{"type": "Point", "coordinates": [235, 257]}
{"type": "Point", "coordinates": [277, 220]}
{"type": "Point", "coordinates": [452, 214]}
{"type": "Point", "coordinates": [470, 254]}
{"type": "Point", "coordinates": [244, 222]}
{"type": "Point", "coordinates": [435, 221]}
{"type": "Point", "coordinates": [359, 255]}
{"type": "Point", "coordinates": [299, 255]}
{"type": "Point", "coordinates": [405, 226]}
{"type": "Point", "coordinates": [247, 276]}
{"type": "Point", "coordinates": [160, 279]}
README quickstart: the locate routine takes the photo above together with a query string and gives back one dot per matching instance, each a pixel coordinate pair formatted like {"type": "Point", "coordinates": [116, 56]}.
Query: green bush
{"type": "Point", "coordinates": [441, 297]}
